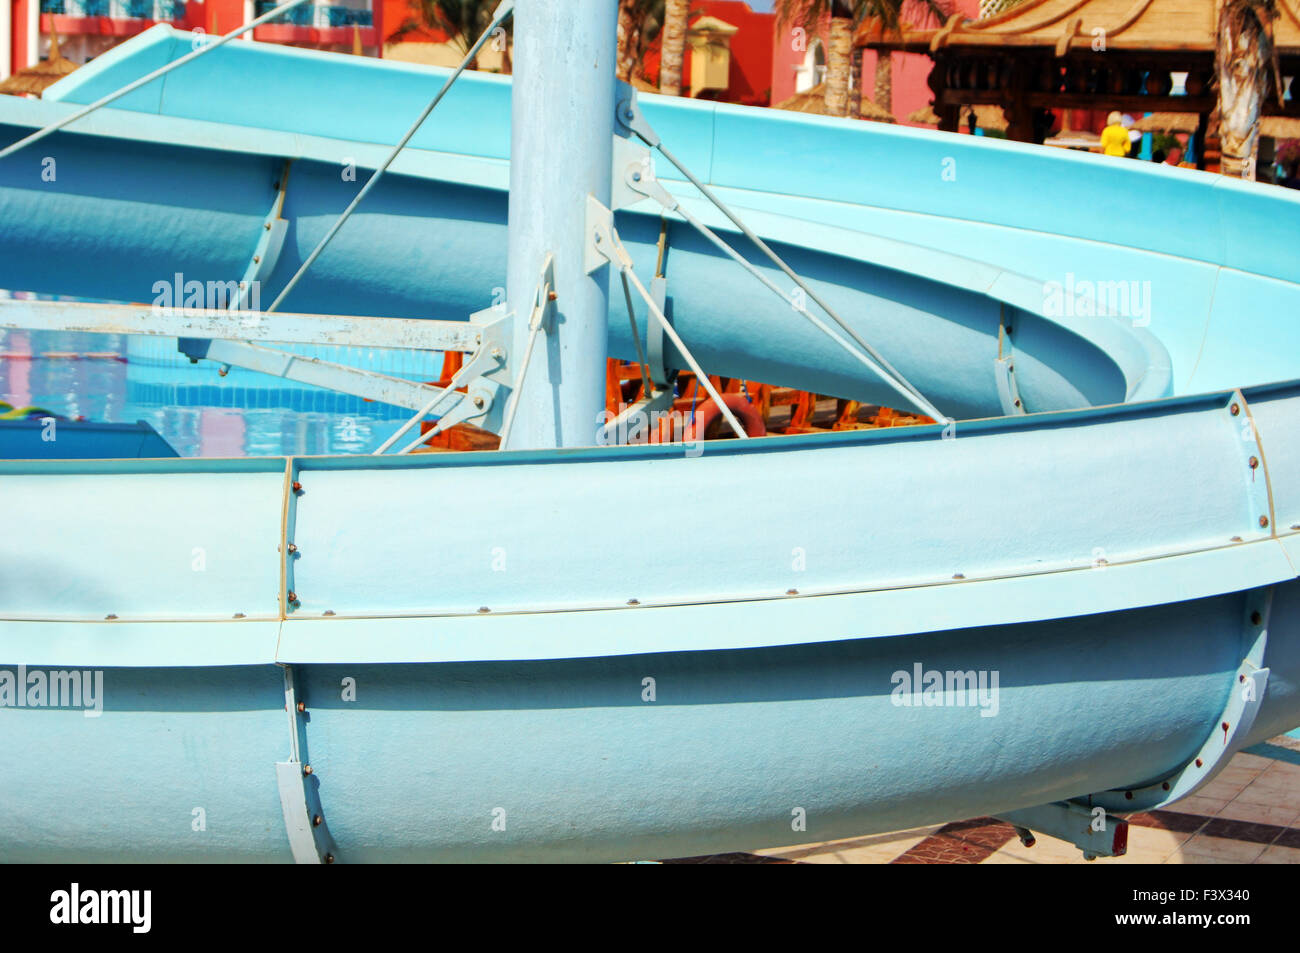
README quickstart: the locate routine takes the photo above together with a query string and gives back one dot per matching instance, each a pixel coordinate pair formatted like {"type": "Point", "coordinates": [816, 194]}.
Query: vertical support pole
{"type": "Point", "coordinates": [561, 151]}
{"type": "Point", "coordinates": [6, 37]}
{"type": "Point", "coordinates": [33, 43]}
{"type": "Point", "coordinates": [250, 13]}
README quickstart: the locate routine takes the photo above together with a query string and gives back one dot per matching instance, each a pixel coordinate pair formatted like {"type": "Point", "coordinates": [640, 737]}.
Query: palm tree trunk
{"type": "Point", "coordinates": [884, 92]}
{"type": "Point", "coordinates": [837, 66]}
{"type": "Point", "coordinates": [1244, 54]}
{"type": "Point", "coordinates": [674, 46]}
{"type": "Point", "coordinates": [855, 84]}
{"type": "Point", "coordinates": [626, 41]}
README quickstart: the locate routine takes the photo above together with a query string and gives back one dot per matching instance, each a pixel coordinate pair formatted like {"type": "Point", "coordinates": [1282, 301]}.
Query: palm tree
{"type": "Point", "coordinates": [890, 13]}
{"type": "Point", "coordinates": [1244, 57]}
{"type": "Point", "coordinates": [462, 20]}
{"type": "Point", "coordinates": [639, 22]}
{"type": "Point", "coordinates": [844, 15]}
{"type": "Point", "coordinates": [839, 51]}
{"type": "Point", "coordinates": [676, 13]}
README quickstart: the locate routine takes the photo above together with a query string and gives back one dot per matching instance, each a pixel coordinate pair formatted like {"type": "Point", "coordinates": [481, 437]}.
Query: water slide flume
{"type": "Point", "coordinates": [1098, 585]}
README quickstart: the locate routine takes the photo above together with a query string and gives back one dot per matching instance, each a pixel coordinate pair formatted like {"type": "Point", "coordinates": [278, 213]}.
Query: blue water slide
{"type": "Point", "coordinates": [651, 651]}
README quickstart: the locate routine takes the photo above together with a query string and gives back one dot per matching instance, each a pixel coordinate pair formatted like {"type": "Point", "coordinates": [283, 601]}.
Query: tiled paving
{"type": "Point", "coordinates": [1249, 814]}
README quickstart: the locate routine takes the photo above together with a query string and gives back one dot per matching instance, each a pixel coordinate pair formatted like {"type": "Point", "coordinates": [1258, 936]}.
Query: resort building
{"type": "Point", "coordinates": [735, 54]}
{"type": "Point", "coordinates": [87, 28]}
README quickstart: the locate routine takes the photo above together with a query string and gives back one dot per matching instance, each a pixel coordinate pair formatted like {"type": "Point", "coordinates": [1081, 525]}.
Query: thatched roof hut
{"type": "Point", "coordinates": [35, 80]}
{"type": "Point", "coordinates": [1043, 54]}
{"type": "Point", "coordinates": [814, 101]}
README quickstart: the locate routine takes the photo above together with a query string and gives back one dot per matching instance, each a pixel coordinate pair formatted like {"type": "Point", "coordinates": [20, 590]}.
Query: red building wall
{"type": "Point", "coordinates": [750, 78]}
{"type": "Point", "coordinates": [217, 16]}
{"type": "Point", "coordinates": [911, 70]}
{"type": "Point", "coordinates": [396, 12]}
{"type": "Point", "coordinates": [790, 45]}
{"type": "Point", "coordinates": [21, 55]}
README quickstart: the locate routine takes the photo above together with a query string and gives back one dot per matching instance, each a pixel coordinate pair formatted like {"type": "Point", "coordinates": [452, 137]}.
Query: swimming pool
{"type": "Point", "coordinates": [116, 379]}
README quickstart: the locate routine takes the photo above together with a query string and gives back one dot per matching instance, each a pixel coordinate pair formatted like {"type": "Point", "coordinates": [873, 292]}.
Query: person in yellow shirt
{"type": "Point", "coordinates": [1115, 139]}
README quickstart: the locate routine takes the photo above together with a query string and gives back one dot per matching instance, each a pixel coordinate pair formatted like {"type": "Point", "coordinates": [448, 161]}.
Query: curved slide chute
{"type": "Point", "coordinates": [634, 651]}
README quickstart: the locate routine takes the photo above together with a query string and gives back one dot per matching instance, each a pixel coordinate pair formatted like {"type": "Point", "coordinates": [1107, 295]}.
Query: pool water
{"type": "Point", "coordinates": [121, 379]}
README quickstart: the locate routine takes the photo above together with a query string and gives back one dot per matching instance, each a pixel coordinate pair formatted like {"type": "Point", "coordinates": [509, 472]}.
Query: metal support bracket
{"type": "Point", "coordinates": [220, 324]}
{"type": "Point", "coordinates": [1094, 832]}
{"type": "Point", "coordinates": [635, 181]}
{"type": "Point", "coordinates": [1229, 731]}
{"type": "Point", "coordinates": [487, 370]}
{"type": "Point", "coordinates": [489, 329]}
{"type": "Point", "coordinates": [630, 117]}
{"type": "Point", "coordinates": [270, 242]}
{"type": "Point", "coordinates": [304, 818]}
{"type": "Point", "coordinates": [342, 378]}
{"type": "Point", "coordinates": [542, 317]}
{"type": "Point", "coordinates": [482, 377]}
{"type": "Point", "coordinates": [1259, 492]}
{"type": "Point", "coordinates": [635, 419]}
{"type": "Point", "coordinates": [635, 178]}
{"type": "Point", "coordinates": [600, 248]}
{"type": "Point", "coordinates": [289, 601]}
{"type": "Point", "coordinates": [633, 165]}
{"type": "Point", "coordinates": [1091, 823]}
{"type": "Point", "coordinates": [662, 374]}
{"type": "Point", "coordinates": [1005, 369]}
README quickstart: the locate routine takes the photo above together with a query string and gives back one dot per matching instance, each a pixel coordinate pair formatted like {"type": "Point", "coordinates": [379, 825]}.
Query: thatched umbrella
{"type": "Point", "coordinates": [1271, 127]}
{"type": "Point", "coordinates": [34, 80]}
{"type": "Point", "coordinates": [1074, 139]}
{"type": "Point", "coordinates": [869, 110]}
{"type": "Point", "coordinates": [814, 101]}
{"type": "Point", "coordinates": [1168, 122]}
{"type": "Point", "coordinates": [986, 117]}
{"type": "Point", "coordinates": [1279, 127]}
{"type": "Point", "coordinates": [925, 115]}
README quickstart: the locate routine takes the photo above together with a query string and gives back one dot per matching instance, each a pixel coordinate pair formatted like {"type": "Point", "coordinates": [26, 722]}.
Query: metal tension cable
{"type": "Point", "coordinates": [459, 412]}
{"type": "Point", "coordinates": [645, 183]}
{"type": "Point", "coordinates": [543, 306]}
{"type": "Point", "coordinates": [502, 13]}
{"type": "Point", "coordinates": [629, 114]}
{"type": "Point", "coordinates": [642, 366]}
{"type": "Point", "coordinates": [606, 243]}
